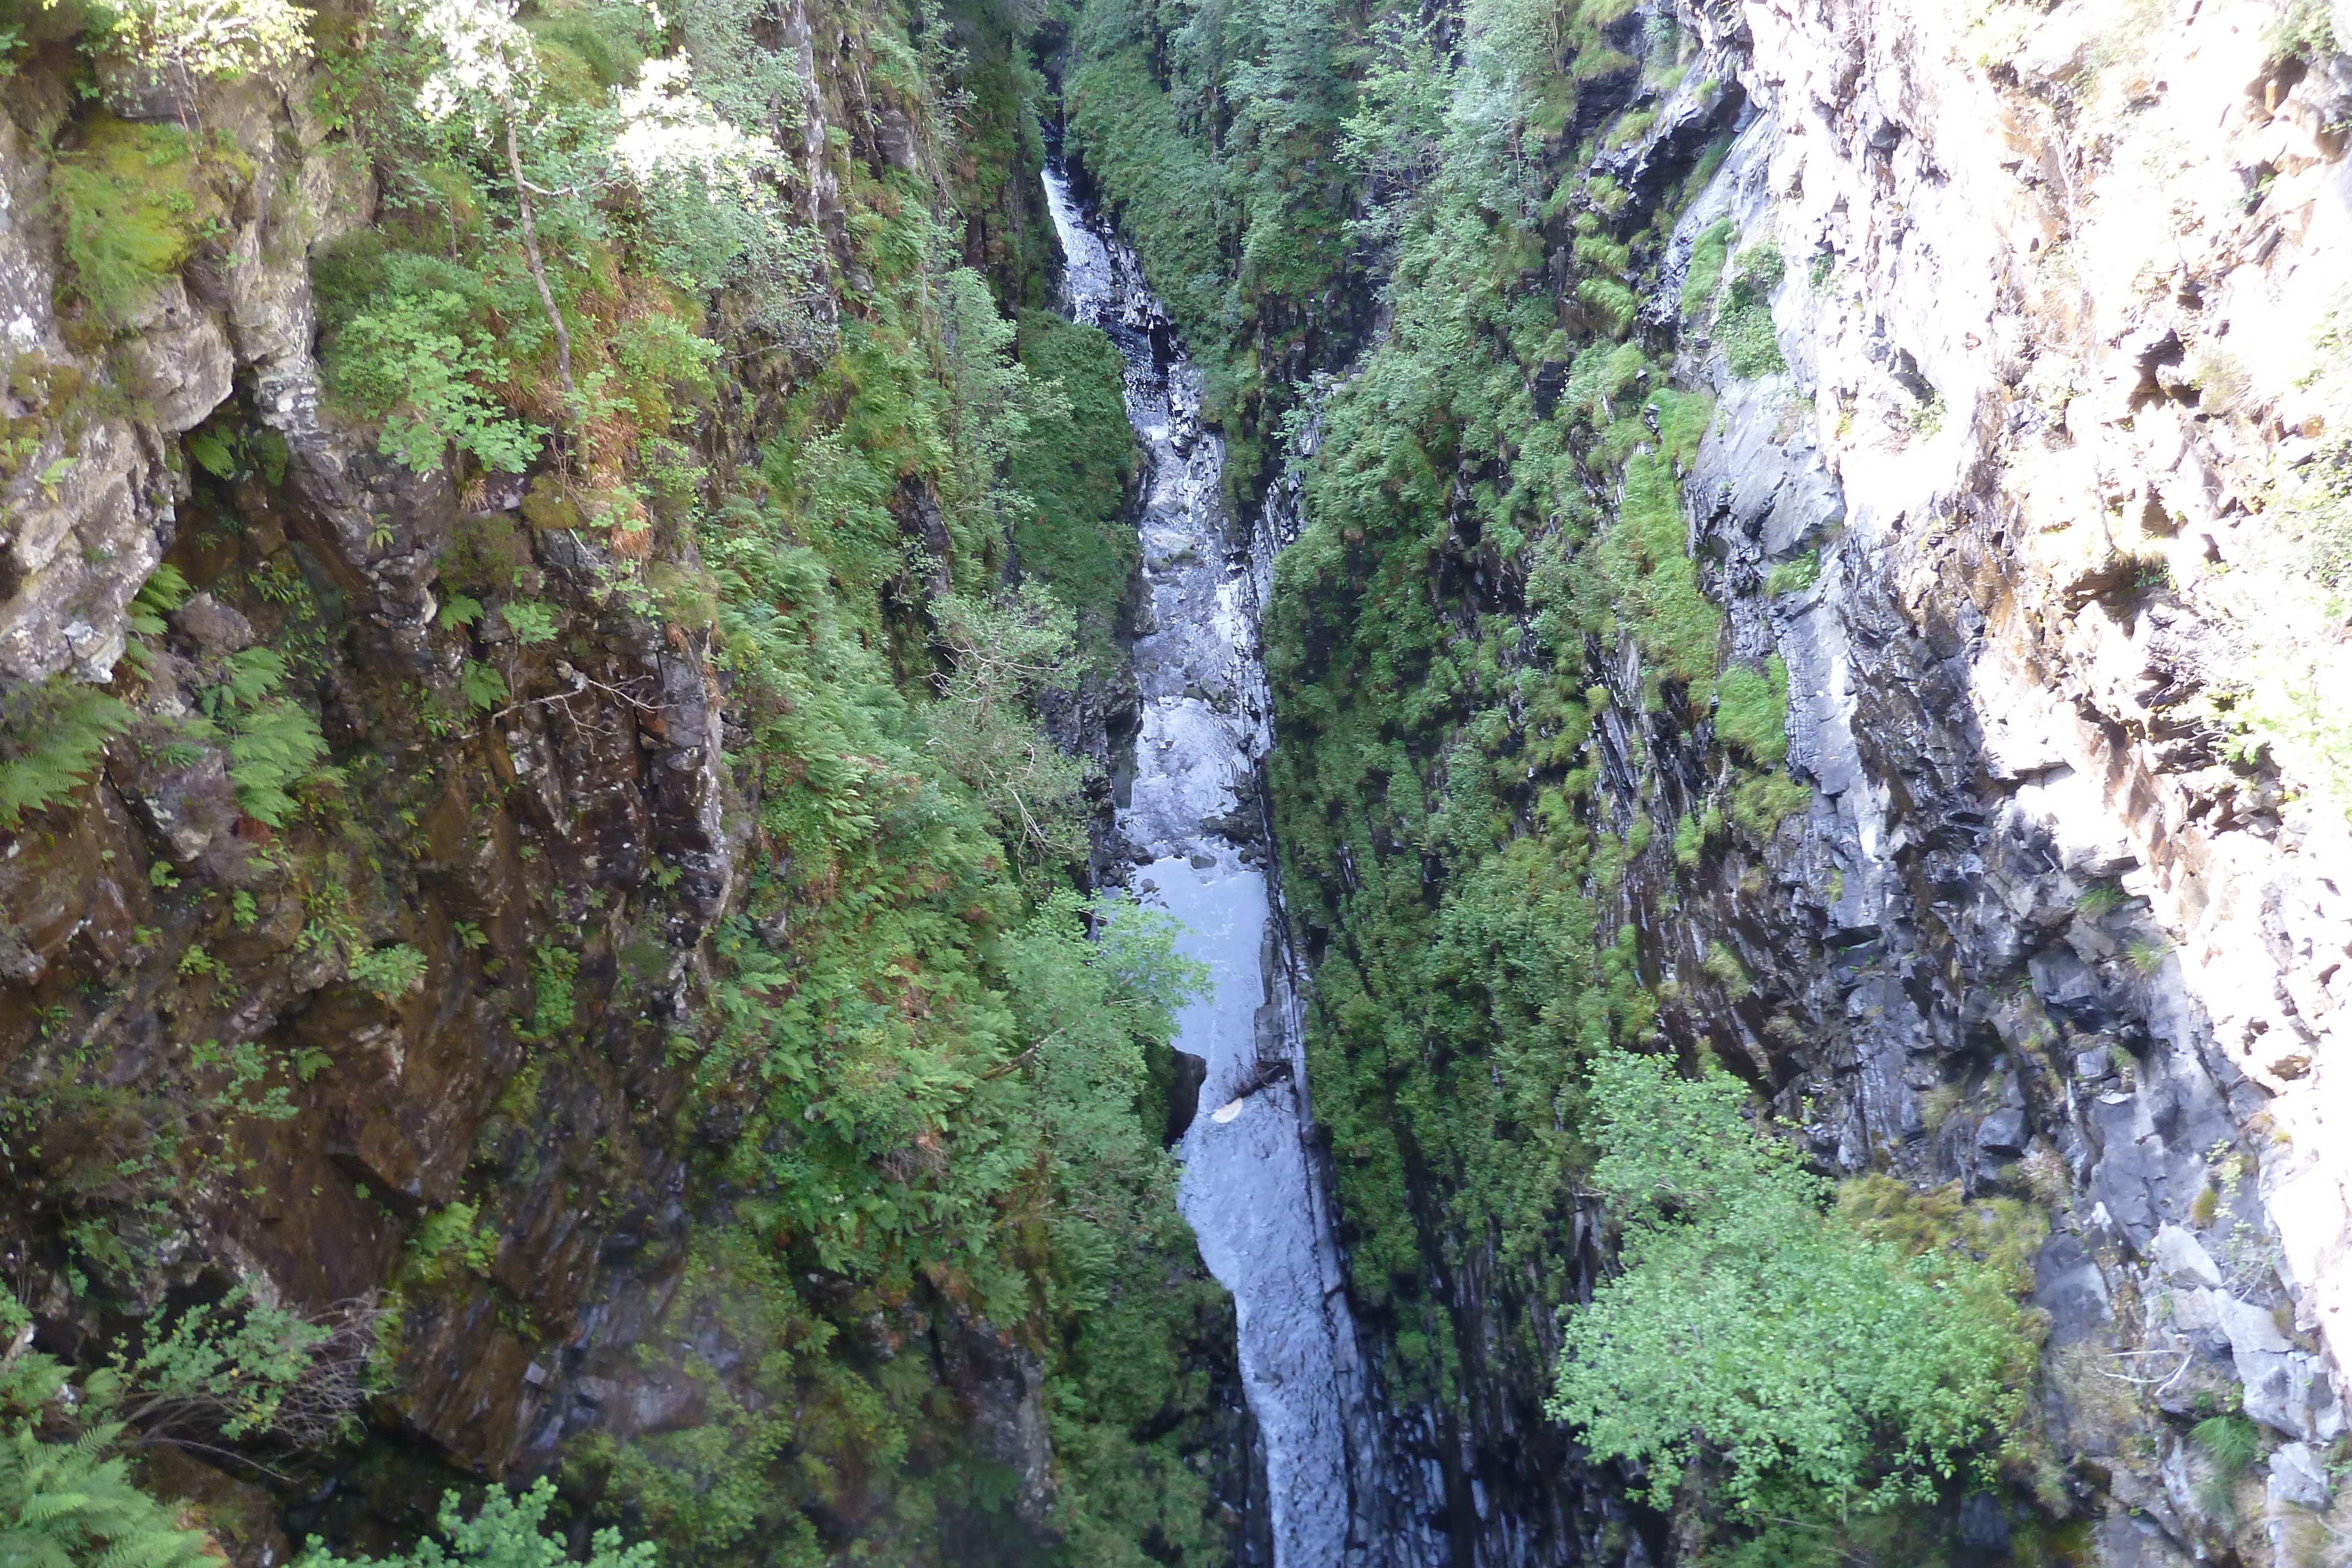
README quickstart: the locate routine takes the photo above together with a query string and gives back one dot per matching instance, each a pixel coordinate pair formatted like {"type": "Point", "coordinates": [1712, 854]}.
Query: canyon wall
{"type": "Point", "coordinates": [1983, 367]}
{"type": "Point", "coordinates": [2060, 319]}
{"type": "Point", "coordinates": [411, 865]}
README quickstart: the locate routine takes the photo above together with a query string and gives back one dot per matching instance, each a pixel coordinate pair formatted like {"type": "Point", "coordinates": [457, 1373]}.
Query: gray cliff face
{"type": "Point", "coordinates": [2029, 518]}
{"type": "Point", "coordinates": [2055, 322]}
{"type": "Point", "coordinates": [90, 499]}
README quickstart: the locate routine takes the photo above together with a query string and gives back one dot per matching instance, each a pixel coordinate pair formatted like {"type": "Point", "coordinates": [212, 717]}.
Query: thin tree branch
{"type": "Point", "coordinates": [539, 270]}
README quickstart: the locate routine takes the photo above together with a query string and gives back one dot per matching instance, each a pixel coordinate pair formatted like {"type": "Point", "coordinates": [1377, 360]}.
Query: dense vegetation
{"type": "Point", "coordinates": [1488, 620]}
{"type": "Point", "coordinates": [850, 467]}
{"type": "Point", "coordinates": [917, 1051]}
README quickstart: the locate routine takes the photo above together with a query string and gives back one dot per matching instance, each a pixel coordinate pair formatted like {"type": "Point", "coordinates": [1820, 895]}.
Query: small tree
{"type": "Point", "coordinates": [484, 73]}
{"type": "Point", "coordinates": [506, 1534]}
{"type": "Point", "coordinates": [209, 37]}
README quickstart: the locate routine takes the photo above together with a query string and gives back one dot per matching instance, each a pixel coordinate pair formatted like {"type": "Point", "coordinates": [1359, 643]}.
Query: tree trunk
{"type": "Point", "coordinates": [539, 274]}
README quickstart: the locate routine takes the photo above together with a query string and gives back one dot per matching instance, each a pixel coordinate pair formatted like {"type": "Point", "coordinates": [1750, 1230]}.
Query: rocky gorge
{"type": "Point", "coordinates": [604, 798]}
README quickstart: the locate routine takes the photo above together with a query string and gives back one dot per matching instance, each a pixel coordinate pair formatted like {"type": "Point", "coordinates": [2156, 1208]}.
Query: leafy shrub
{"type": "Point", "coordinates": [1818, 1366]}
{"type": "Point", "coordinates": [389, 973]}
{"type": "Point", "coordinates": [412, 347]}
{"type": "Point", "coordinates": [51, 734]}
{"type": "Point", "coordinates": [211, 38]}
{"type": "Point", "coordinates": [984, 730]}
{"type": "Point", "coordinates": [507, 1533]}
{"type": "Point", "coordinates": [233, 1369]}
{"type": "Point", "coordinates": [660, 358]}
{"type": "Point", "coordinates": [532, 621]}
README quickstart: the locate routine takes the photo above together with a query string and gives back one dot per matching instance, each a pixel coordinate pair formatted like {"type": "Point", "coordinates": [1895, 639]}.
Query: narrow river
{"type": "Point", "coordinates": [1251, 1191]}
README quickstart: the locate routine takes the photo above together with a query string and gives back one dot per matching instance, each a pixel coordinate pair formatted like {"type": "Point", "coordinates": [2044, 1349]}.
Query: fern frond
{"type": "Point", "coordinates": [50, 737]}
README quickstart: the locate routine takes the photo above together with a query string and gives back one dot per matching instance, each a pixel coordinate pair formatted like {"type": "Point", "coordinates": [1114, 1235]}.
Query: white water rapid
{"type": "Point", "coordinates": [1251, 1190]}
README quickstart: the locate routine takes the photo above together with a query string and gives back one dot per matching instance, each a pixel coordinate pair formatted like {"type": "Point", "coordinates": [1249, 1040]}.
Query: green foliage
{"type": "Point", "coordinates": [418, 354]}
{"type": "Point", "coordinates": [1752, 710]}
{"type": "Point", "coordinates": [2231, 1442]}
{"type": "Point", "coordinates": [1075, 536]}
{"type": "Point", "coordinates": [983, 731]}
{"type": "Point", "coordinates": [553, 970]}
{"type": "Point", "coordinates": [238, 1368]}
{"type": "Point", "coordinates": [1751, 345]}
{"type": "Point", "coordinates": [1709, 253]}
{"type": "Point", "coordinates": [390, 973]}
{"type": "Point", "coordinates": [451, 1239]}
{"type": "Point", "coordinates": [1761, 804]}
{"type": "Point", "coordinates": [2004, 1234]}
{"type": "Point", "coordinates": [1793, 576]}
{"type": "Point", "coordinates": [67, 1505]}
{"type": "Point", "coordinates": [231, 1369]}
{"type": "Point", "coordinates": [1818, 1367]}
{"type": "Point", "coordinates": [532, 620]}
{"type": "Point", "coordinates": [509, 1532]}
{"type": "Point", "coordinates": [132, 201]}
{"type": "Point", "coordinates": [2101, 898]}
{"type": "Point", "coordinates": [2305, 29]}
{"type": "Point", "coordinates": [164, 591]}
{"type": "Point", "coordinates": [52, 735]}
{"type": "Point", "coordinates": [274, 742]}
{"type": "Point", "coordinates": [222, 38]}
{"type": "Point", "coordinates": [1137, 144]}
{"type": "Point", "coordinates": [483, 687]}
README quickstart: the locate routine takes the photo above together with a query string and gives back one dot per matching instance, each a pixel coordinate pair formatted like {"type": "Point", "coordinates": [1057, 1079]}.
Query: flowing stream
{"type": "Point", "coordinates": [1252, 1190]}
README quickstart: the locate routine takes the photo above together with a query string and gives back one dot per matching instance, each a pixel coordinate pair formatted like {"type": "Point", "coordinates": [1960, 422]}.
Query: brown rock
{"type": "Point", "coordinates": [212, 626]}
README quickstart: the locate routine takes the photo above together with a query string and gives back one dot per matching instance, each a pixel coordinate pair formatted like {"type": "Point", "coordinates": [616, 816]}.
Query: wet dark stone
{"type": "Point", "coordinates": [1184, 1094]}
{"type": "Point", "coordinates": [1982, 1524]}
{"type": "Point", "coordinates": [2067, 1285]}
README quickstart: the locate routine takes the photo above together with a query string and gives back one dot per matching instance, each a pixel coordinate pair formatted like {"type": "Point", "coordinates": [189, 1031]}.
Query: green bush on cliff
{"type": "Point", "coordinates": [67, 1497]}
{"type": "Point", "coordinates": [417, 357]}
{"type": "Point", "coordinates": [1821, 1368]}
{"type": "Point", "coordinates": [507, 1532]}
